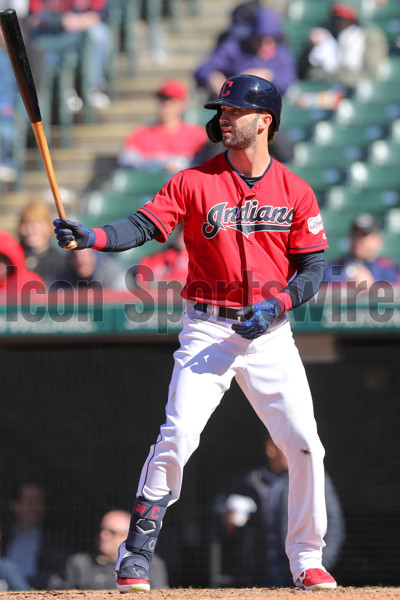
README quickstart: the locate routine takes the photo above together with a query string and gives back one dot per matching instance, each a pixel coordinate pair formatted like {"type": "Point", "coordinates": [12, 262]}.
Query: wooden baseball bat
{"type": "Point", "coordinates": [23, 74]}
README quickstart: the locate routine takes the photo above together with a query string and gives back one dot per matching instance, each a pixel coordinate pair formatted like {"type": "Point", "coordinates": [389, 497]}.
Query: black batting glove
{"type": "Point", "coordinates": [69, 231]}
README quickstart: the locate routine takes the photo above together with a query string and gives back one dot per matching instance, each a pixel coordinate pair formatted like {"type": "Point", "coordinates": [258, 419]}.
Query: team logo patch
{"type": "Point", "coordinates": [250, 218]}
{"type": "Point", "coordinates": [315, 224]}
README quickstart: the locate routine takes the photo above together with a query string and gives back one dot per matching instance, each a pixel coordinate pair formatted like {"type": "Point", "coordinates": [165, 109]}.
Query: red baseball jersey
{"type": "Point", "coordinates": [239, 240]}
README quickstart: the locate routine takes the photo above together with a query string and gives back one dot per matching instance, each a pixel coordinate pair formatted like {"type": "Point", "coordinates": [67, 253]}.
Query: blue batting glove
{"type": "Point", "coordinates": [256, 318]}
{"type": "Point", "coordinates": [68, 231]}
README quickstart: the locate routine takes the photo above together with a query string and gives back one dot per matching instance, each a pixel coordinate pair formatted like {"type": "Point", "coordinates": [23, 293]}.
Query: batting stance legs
{"type": "Point", "coordinates": [270, 373]}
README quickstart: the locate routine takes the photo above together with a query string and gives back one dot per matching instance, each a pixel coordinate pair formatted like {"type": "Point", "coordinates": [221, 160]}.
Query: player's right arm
{"type": "Point", "coordinates": [118, 236]}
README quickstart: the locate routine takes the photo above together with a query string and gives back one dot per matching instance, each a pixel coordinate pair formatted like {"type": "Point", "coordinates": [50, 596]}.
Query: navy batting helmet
{"type": "Point", "coordinates": [246, 91]}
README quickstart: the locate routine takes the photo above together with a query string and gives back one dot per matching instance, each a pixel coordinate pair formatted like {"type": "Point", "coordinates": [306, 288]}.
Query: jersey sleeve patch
{"type": "Point", "coordinates": [315, 224]}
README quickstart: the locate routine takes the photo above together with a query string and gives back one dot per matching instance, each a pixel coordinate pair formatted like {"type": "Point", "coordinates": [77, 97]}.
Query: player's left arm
{"type": "Point", "coordinates": [255, 318]}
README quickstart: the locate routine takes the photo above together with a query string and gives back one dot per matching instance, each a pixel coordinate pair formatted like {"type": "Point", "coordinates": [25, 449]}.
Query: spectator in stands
{"type": "Point", "coordinates": [252, 525]}
{"type": "Point", "coordinates": [243, 15]}
{"type": "Point", "coordinates": [95, 571]}
{"type": "Point", "coordinates": [344, 52]}
{"type": "Point", "coordinates": [15, 279]}
{"type": "Point", "coordinates": [168, 265]}
{"type": "Point", "coordinates": [364, 265]}
{"type": "Point", "coordinates": [90, 267]}
{"type": "Point", "coordinates": [170, 143]}
{"type": "Point", "coordinates": [8, 104]}
{"type": "Point", "coordinates": [263, 52]}
{"type": "Point", "coordinates": [256, 47]}
{"type": "Point", "coordinates": [36, 237]}
{"type": "Point", "coordinates": [37, 551]}
{"type": "Point", "coordinates": [60, 26]}
{"type": "Point", "coordinates": [10, 577]}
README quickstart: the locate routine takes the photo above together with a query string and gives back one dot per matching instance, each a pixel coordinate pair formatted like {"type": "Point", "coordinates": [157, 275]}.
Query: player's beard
{"type": "Point", "coordinates": [242, 138]}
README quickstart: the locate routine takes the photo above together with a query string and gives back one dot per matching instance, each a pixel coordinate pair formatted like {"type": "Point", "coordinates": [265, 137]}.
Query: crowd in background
{"type": "Point", "coordinates": [339, 52]}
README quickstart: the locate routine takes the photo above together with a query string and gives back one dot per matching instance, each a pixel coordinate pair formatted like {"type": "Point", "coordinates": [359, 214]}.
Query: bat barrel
{"type": "Point", "coordinates": [20, 63]}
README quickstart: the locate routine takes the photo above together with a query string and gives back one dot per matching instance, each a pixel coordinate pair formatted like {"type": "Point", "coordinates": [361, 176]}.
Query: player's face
{"type": "Point", "coordinates": [239, 127]}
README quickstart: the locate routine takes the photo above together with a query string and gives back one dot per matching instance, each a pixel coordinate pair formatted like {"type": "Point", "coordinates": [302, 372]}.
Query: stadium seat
{"type": "Point", "coordinates": [385, 153]}
{"type": "Point", "coordinates": [336, 223]}
{"type": "Point", "coordinates": [384, 92]}
{"type": "Point", "coordinates": [343, 199]}
{"type": "Point", "coordinates": [299, 123]}
{"type": "Point", "coordinates": [197, 115]}
{"type": "Point", "coordinates": [314, 12]}
{"type": "Point", "coordinates": [392, 222]}
{"type": "Point", "coordinates": [320, 178]}
{"type": "Point", "coordinates": [338, 245]}
{"type": "Point", "coordinates": [355, 113]}
{"type": "Point", "coordinates": [311, 154]}
{"type": "Point", "coordinates": [364, 176]}
{"type": "Point", "coordinates": [296, 35]}
{"type": "Point", "coordinates": [111, 206]}
{"type": "Point", "coordinates": [337, 227]}
{"type": "Point", "coordinates": [389, 70]}
{"type": "Point", "coordinates": [384, 15]}
{"type": "Point", "coordinates": [358, 137]}
{"type": "Point", "coordinates": [310, 94]}
{"type": "Point", "coordinates": [391, 246]}
{"type": "Point", "coordinates": [130, 181]}
{"type": "Point", "coordinates": [394, 134]}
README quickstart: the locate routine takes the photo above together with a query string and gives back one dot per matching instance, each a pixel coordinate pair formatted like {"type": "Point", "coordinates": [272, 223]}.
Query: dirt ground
{"type": "Point", "coordinates": [342, 593]}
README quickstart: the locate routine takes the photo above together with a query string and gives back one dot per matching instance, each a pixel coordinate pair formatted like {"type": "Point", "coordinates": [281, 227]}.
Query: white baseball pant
{"type": "Point", "coordinates": [271, 374]}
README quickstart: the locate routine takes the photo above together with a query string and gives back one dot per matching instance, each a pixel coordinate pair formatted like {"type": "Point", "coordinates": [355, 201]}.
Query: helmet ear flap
{"type": "Point", "coordinates": [213, 128]}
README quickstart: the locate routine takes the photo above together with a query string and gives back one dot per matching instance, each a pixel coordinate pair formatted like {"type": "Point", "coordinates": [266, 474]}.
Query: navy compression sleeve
{"type": "Point", "coordinates": [129, 233]}
{"type": "Point", "coordinates": [307, 281]}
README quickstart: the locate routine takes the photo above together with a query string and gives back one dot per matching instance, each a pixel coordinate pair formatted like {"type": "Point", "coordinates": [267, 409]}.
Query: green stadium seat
{"type": "Point", "coordinates": [308, 94]}
{"type": "Point", "coordinates": [358, 137]}
{"type": "Point", "coordinates": [394, 134]}
{"type": "Point", "coordinates": [354, 113]}
{"type": "Point", "coordinates": [320, 178]}
{"type": "Point", "coordinates": [311, 154]}
{"type": "Point", "coordinates": [299, 123]}
{"type": "Point", "coordinates": [140, 183]}
{"type": "Point", "coordinates": [314, 12]}
{"type": "Point", "coordinates": [343, 199]}
{"type": "Point", "coordinates": [384, 15]}
{"type": "Point", "coordinates": [389, 70]}
{"type": "Point", "coordinates": [339, 245]}
{"type": "Point", "coordinates": [197, 115]}
{"type": "Point", "coordinates": [392, 222]}
{"type": "Point", "coordinates": [296, 35]}
{"type": "Point", "coordinates": [391, 246]}
{"type": "Point", "coordinates": [384, 92]}
{"type": "Point", "coordinates": [364, 176]}
{"type": "Point", "coordinates": [106, 206]}
{"type": "Point", "coordinates": [385, 153]}
{"type": "Point", "coordinates": [336, 223]}
{"type": "Point", "coordinates": [337, 227]}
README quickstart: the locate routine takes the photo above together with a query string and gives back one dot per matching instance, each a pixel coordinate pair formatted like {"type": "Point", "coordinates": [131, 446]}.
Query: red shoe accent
{"type": "Point", "coordinates": [316, 579]}
{"type": "Point", "coordinates": [126, 585]}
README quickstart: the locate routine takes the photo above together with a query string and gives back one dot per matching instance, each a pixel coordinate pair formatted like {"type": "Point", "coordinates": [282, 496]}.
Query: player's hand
{"type": "Point", "coordinates": [68, 231]}
{"type": "Point", "coordinates": [255, 318]}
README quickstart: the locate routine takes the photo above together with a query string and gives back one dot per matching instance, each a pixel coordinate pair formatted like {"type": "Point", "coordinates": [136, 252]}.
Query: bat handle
{"type": "Point", "coordinates": [40, 136]}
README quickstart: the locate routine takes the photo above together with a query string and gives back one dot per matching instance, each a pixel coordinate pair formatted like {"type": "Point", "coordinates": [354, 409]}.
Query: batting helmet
{"type": "Point", "coordinates": [245, 91]}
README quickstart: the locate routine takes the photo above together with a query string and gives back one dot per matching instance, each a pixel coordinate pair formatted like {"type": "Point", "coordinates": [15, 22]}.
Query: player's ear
{"type": "Point", "coordinates": [266, 119]}
{"type": "Point", "coordinates": [213, 128]}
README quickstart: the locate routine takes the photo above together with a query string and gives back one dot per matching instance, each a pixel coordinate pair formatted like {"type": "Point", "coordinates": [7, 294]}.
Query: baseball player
{"type": "Point", "coordinates": [255, 242]}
